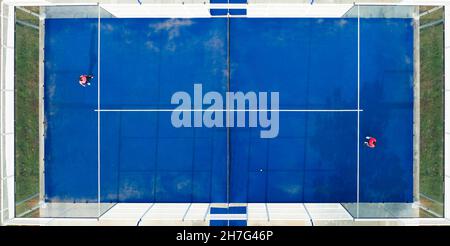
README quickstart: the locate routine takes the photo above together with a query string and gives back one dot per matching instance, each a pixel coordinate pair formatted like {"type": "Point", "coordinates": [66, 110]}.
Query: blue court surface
{"type": "Point", "coordinates": [312, 63]}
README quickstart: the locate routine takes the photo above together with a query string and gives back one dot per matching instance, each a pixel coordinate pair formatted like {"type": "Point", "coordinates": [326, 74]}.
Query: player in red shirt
{"type": "Point", "coordinates": [85, 80]}
{"type": "Point", "coordinates": [371, 142]}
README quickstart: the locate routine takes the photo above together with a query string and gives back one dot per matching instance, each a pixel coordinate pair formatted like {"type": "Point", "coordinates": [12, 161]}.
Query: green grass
{"type": "Point", "coordinates": [26, 112]}
{"type": "Point", "coordinates": [431, 112]}
{"type": "Point", "coordinates": [433, 16]}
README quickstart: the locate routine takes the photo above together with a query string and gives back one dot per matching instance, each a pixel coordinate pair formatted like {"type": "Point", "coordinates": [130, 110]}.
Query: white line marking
{"type": "Point", "coordinates": [98, 112]}
{"type": "Point", "coordinates": [357, 134]}
{"type": "Point", "coordinates": [229, 110]}
{"type": "Point", "coordinates": [228, 107]}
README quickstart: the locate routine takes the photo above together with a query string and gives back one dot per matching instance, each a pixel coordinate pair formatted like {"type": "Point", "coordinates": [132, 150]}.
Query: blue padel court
{"type": "Point", "coordinates": [339, 80]}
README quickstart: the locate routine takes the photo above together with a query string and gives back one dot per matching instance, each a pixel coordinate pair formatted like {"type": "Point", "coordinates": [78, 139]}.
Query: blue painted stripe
{"type": "Point", "coordinates": [228, 1]}
{"type": "Point", "coordinates": [218, 222]}
{"type": "Point", "coordinates": [238, 11]}
{"type": "Point", "coordinates": [218, 211]}
{"type": "Point", "coordinates": [230, 210]}
{"type": "Point", "coordinates": [237, 210]}
{"type": "Point", "coordinates": [218, 12]}
{"type": "Point", "coordinates": [218, 1]}
{"type": "Point", "coordinates": [237, 223]}
{"type": "Point", "coordinates": [228, 223]}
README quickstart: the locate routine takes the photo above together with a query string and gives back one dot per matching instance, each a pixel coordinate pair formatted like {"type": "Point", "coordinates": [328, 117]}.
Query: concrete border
{"type": "Point", "coordinates": [447, 111]}
{"type": "Point", "coordinates": [7, 113]}
{"type": "Point", "coordinates": [447, 85]}
{"type": "Point", "coordinates": [416, 108]}
{"type": "Point", "coordinates": [41, 109]}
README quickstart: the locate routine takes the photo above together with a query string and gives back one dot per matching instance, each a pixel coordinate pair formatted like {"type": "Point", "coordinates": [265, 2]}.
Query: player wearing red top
{"type": "Point", "coordinates": [371, 142]}
{"type": "Point", "coordinates": [85, 80]}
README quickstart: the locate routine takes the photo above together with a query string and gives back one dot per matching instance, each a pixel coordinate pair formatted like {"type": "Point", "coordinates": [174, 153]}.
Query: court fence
{"type": "Point", "coordinates": [23, 123]}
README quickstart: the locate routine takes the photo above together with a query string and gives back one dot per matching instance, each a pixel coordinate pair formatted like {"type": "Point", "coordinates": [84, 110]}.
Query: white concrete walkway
{"type": "Point", "coordinates": [197, 214]}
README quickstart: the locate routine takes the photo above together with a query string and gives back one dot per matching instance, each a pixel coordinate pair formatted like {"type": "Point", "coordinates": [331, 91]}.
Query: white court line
{"type": "Point", "coordinates": [98, 113]}
{"type": "Point", "coordinates": [227, 119]}
{"type": "Point", "coordinates": [229, 110]}
{"type": "Point", "coordinates": [357, 132]}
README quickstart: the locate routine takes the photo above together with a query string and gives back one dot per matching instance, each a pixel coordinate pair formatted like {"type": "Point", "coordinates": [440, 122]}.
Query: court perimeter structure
{"type": "Point", "coordinates": [225, 113]}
